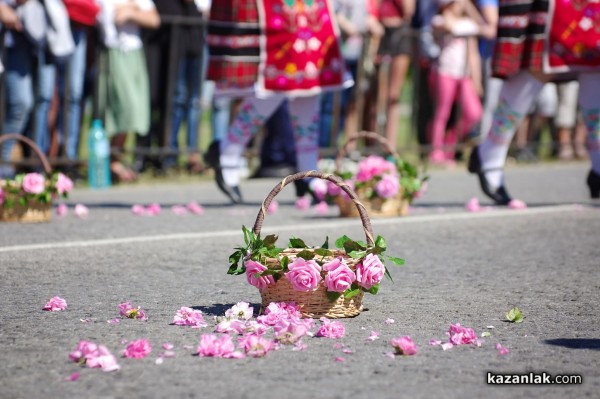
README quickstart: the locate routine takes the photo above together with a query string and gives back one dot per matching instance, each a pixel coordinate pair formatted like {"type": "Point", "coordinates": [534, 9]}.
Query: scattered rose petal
{"type": "Point", "coordinates": [159, 360]}
{"type": "Point", "coordinates": [218, 346]}
{"type": "Point", "coordinates": [338, 345]}
{"type": "Point", "coordinates": [255, 345]}
{"type": "Point", "coordinates": [131, 312]}
{"type": "Point", "coordinates": [168, 354]}
{"type": "Point", "coordinates": [113, 321]}
{"type": "Point", "coordinates": [81, 211]}
{"type": "Point", "coordinates": [460, 335]}
{"type": "Point", "coordinates": [473, 205]}
{"type": "Point", "coordinates": [273, 207]}
{"type": "Point", "coordinates": [300, 346]}
{"type": "Point", "coordinates": [322, 208]}
{"type": "Point", "coordinates": [138, 349]}
{"type": "Point", "coordinates": [391, 355]}
{"type": "Point", "coordinates": [123, 341]}
{"type": "Point", "coordinates": [168, 346]}
{"type": "Point", "coordinates": [62, 210]}
{"type": "Point", "coordinates": [447, 345]}
{"type": "Point", "coordinates": [302, 203]}
{"type": "Point", "coordinates": [331, 329]}
{"type": "Point", "coordinates": [94, 356]}
{"type": "Point", "coordinates": [74, 377]}
{"type": "Point", "coordinates": [347, 351]}
{"type": "Point", "coordinates": [195, 208]}
{"type": "Point", "coordinates": [55, 304]}
{"type": "Point", "coordinates": [153, 209]}
{"type": "Point", "coordinates": [404, 345]}
{"type": "Point", "coordinates": [86, 320]}
{"type": "Point", "coordinates": [517, 204]}
{"type": "Point", "coordinates": [435, 342]}
{"type": "Point", "coordinates": [390, 321]}
{"type": "Point", "coordinates": [501, 349]}
{"type": "Point", "coordinates": [374, 335]}
{"type": "Point", "coordinates": [340, 359]}
{"type": "Point", "coordinates": [138, 210]}
{"type": "Point", "coordinates": [188, 347]}
{"type": "Point", "coordinates": [179, 210]}
{"type": "Point", "coordinates": [189, 317]}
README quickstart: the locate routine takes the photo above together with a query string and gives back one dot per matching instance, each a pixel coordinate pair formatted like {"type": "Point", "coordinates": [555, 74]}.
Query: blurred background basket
{"type": "Point", "coordinates": [34, 211]}
{"type": "Point", "coordinates": [376, 207]}
{"type": "Point", "coordinates": [313, 304]}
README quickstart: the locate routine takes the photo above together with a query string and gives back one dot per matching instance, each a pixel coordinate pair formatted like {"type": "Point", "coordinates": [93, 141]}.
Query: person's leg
{"type": "Point", "coordinates": [76, 80]}
{"type": "Point", "coordinates": [487, 160]}
{"type": "Point", "coordinates": [589, 102]}
{"type": "Point", "coordinates": [178, 113]}
{"type": "Point", "coordinates": [19, 97]}
{"type": "Point", "coordinates": [399, 69]}
{"type": "Point", "coordinates": [221, 113]}
{"type": "Point", "coordinates": [194, 71]}
{"type": "Point", "coordinates": [566, 117]}
{"type": "Point", "coordinates": [304, 112]}
{"type": "Point", "coordinates": [45, 91]}
{"type": "Point", "coordinates": [444, 88]}
{"type": "Point", "coordinates": [278, 153]}
{"type": "Point", "coordinates": [224, 155]}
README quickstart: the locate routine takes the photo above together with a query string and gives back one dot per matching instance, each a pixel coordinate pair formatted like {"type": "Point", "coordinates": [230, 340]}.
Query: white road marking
{"type": "Point", "coordinates": [297, 227]}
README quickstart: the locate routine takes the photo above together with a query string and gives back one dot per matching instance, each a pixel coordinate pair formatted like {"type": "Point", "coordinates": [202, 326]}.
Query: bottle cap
{"type": "Point", "coordinates": [97, 123]}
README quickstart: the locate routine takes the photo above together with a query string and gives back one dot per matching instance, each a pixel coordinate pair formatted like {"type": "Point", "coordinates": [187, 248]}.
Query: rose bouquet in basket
{"type": "Point", "coordinates": [322, 281]}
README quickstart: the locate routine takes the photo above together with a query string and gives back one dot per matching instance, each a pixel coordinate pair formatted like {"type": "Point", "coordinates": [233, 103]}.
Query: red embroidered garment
{"type": "Point", "coordinates": [295, 50]}
{"type": "Point", "coordinates": [574, 39]}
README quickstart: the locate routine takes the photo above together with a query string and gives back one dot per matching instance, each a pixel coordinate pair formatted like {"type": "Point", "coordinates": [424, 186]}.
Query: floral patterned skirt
{"type": "Point", "coordinates": [269, 46]}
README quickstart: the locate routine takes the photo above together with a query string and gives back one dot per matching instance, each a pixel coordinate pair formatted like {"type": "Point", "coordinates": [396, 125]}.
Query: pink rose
{"type": "Point", "coordinates": [1, 196]}
{"type": "Point", "coordinates": [322, 208]}
{"type": "Point", "coordinates": [231, 326]}
{"type": "Point", "coordinates": [189, 317]}
{"type": "Point", "coordinates": [340, 276]}
{"type": "Point", "coordinates": [255, 345]}
{"type": "Point", "coordinates": [460, 335]}
{"type": "Point", "coordinates": [304, 275]}
{"type": "Point", "coordinates": [319, 188]}
{"type": "Point", "coordinates": [64, 185]}
{"type": "Point", "coordinates": [404, 345]}
{"type": "Point", "coordinates": [333, 189]}
{"type": "Point", "coordinates": [34, 183]}
{"type": "Point", "coordinates": [289, 331]}
{"type": "Point", "coordinates": [127, 310]}
{"type": "Point", "coordinates": [138, 349]}
{"type": "Point", "coordinates": [214, 346]}
{"type": "Point", "coordinates": [55, 304]}
{"type": "Point", "coordinates": [93, 355]}
{"type": "Point", "coordinates": [373, 166]}
{"type": "Point", "coordinates": [277, 311]}
{"type": "Point", "coordinates": [302, 203]}
{"type": "Point", "coordinates": [370, 271]}
{"type": "Point", "coordinates": [253, 270]}
{"type": "Point", "coordinates": [331, 329]}
{"type": "Point", "coordinates": [62, 210]}
{"type": "Point", "coordinates": [388, 186]}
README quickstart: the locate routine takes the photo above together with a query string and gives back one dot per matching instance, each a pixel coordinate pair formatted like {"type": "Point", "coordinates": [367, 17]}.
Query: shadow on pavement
{"type": "Point", "coordinates": [576, 343]}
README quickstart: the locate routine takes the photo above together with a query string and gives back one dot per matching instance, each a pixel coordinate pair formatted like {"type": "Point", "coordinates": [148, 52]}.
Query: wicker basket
{"type": "Point", "coordinates": [34, 211]}
{"type": "Point", "coordinates": [378, 207]}
{"type": "Point", "coordinates": [314, 304]}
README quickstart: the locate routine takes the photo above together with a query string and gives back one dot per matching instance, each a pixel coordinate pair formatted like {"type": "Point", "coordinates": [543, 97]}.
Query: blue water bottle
{"type": "Point", "coordinates": [99, 156]}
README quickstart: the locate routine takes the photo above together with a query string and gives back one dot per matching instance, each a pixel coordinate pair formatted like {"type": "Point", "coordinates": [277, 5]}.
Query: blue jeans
{"type": "Point", "coordinates": [186, 102]}
{"type": "Point", "coordinates": [19, 94]}
{"type": "Point", "coordinates": [75, 68]}
{"type": "Point", "coordinates": [221, 113]}
{"type": "Point", "coordinates": [279, 146]}
{"type": "Point", "coordinates": [46, 84]}
{"type": "Point", "coordinates": [327, 104]}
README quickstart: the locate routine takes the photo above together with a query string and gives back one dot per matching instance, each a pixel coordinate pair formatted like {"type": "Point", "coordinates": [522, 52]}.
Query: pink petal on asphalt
{"type": "Point", "coordinates": [391, 355]}
{"type": "Point", "coordinates": [517, 204]}
{"type": "Point", "coordinates": [153, 209]}
{"type": "Point", "coordinates": [473, 205]}
{"type": "Point", "coordinates": [113, 321]}
{"type": "Point", "coordinates": [435, 342]}
{"type": "Point", "coordinates": [347, 351]}
{"type": "Point", "coordinates": [390, 321]}
{"type": "Point", "coordinates": [74, 377]}
{"type": "Point", "coordinates": [168, 346]}
{"type": "Point", "coordinates": [302, 203]}
{"type": "Point", "coordinates": [447, 345]}
{"type": "Point", "coordinates": [337, 345]}
{"type": "Point", "coordinates": [501, 350]}
{"type": "Point", "coordinates": [81, 210]}
{"type": "Point", "coordinates": [273, 207]}
{"type": "Point", "coordinates": [62, 210]}
{"type": "Point", "coordinates": [340, 359]}
{"type": "Point", "coordinates": [159, 361]}
{"type": "Point", "coordinates": [179, 210]}
{"type": "Point", "coordinates": [322, 208]}
{"type": "Point", "coordinates": [195, 208]}
{"type": "Point", "coordinates": [138, 210]}
{"type": "Point", "coordinates": [374, 335]}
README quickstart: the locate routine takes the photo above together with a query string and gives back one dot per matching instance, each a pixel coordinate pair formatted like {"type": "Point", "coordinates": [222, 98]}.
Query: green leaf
{"type": "Point", "coordinates": [297, 243]}
{"type": "Point", "coordinates": [380, 243]}
{"type": "Point", "coordinates": [357, 254]}
{"type": "Point", "coordinates": [323, 252]}
{"type": "Point", "coordinates": [339, 243]}
{"type": "Point", "coordinates": [248, 235]}
{"type": "Point", "coordinates": [373, 290]}
{"type": "Point", "coordinates": [284, 263]}
{"type": "Point", "coordinates": [351, 245]}
{"type": "Point", "coordinates": [270, 240]}
{"type": "Point", "coordinates": [22, 201]}
{"type": "Point", "coordinates": [9, 203]}
{"type": "Point", "coordinates": [351, 292]}
{"type": "Point", "coordinates": [273, 252]}
{"type": "Point", "coordinates": [333, 296]}
{"type": "Point", "coordinates": [397, 261]}
{"type": "Point", "coordinates": [326, 243]}
{"type": "Point", "coordinates": [514, 315]}
{"type": "Point", "coordinates": [269, 272]}
{"type": "Point", "coordinates": [307, 255]}
{"type": "Point", "coordinates": [235, 269]}
{"type": "Point", "coordinates": [388, 275]}
{"type": "Point", "coordinates": [47, 198]}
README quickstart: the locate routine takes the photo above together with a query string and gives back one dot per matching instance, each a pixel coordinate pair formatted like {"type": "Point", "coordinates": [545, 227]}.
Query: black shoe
{"type": "Point", "coordinates": [212, 158]}
{"type": "Point", "coordinates": [500, 196]}
{"type": "Point", "coordinates": [593, 182]}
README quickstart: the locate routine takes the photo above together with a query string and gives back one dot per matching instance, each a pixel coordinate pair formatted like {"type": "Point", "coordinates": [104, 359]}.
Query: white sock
{"type": "Point", "coordinates": [589, 102]}
{"type": "Point", "coordinates": [516, 97]}
{"type": "Point", "coordinates": [252, 114]}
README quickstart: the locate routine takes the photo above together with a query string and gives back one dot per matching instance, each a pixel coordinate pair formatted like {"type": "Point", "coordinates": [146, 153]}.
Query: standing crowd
{"type": "Point", "coordinates": [306, 72]}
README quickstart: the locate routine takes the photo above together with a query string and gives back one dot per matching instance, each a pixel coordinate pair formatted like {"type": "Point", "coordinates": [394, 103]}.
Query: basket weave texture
{"type": "Point", "coordinates": [376, 207]}
{"type": "Point", "coordinates": [313, 304]}
{"type": "Point", "coordinates": [34, 211]}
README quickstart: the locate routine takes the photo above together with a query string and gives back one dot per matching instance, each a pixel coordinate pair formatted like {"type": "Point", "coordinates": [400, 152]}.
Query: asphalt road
{"type": "Point", "coordinates": [461, 267]}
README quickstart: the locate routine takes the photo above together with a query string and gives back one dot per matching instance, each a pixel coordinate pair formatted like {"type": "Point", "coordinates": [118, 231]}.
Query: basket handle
{"type": "Point", "coordinates": [43, 159]}
{"type": "Point", "coordinates": [364, 217]}
{"type": "Point", "coordinates": [366, 135]}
